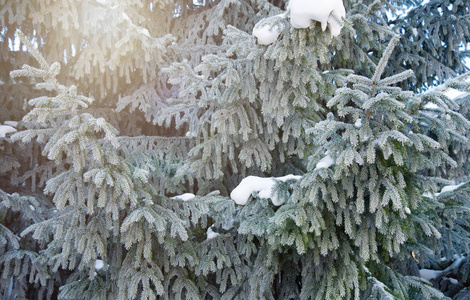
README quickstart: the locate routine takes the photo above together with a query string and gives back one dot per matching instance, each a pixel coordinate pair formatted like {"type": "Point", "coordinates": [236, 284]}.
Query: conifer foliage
{"type": "Point", "coordinates": [224, 149]}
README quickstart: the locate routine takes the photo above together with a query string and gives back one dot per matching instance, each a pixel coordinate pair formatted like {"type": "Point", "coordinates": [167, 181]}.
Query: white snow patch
{"type": "Point", "coordinates": [428, 194]}
{"type": "Point", "coordinates": [407, 210]}
{"type": "Point", "coordinates": [267, 30]}
{"type": "Point", "coordinates": [99, 264]}
{"type": "Point", "coordinates": [263, 186]}
{"type": "Point", "coordinates": [4, 129]}
{"type": "Point", "coordinates": [415, 31]}
{"type": "Point", "coordinates": [449, 188]}
{"type": "Point", "coordinates": [32, 208]}
{"type": "Point", "coordinates": [358, 123]}
{"type": "Point", "coordinates": [431, 105]}
{"type": "Point", "coordinates": [211, 234]}
{"type": "Point", "coordinates": [449, 92]}
{"type": "Point", "coordinates": [191, 134]}
{"type": "Point", "coordinates": [11, 123]}
{"type": "Point", "coordinates": [429, 274]}
{"type": "Point", "coordinates": [462, 96]}
{"type": "Point", "coordinates": [325, 162]}
{"type": "Point", "coordinates": [265, 34]}
{"type": "Point", "coordinates": [452, 280]}
{"type": "Point", "coordinates": [184, 197]}
{"type": "Point", "coordinates": [432, 274]}
{"type": "Point", "coordinates": [288, 177]}
{"type": "Point", "coordinates": [329, 13]}
{"type": "Point", "coordinates": [454, 94]}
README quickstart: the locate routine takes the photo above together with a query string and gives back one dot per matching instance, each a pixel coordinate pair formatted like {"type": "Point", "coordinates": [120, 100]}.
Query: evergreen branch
{"type": "Point", "coordinates": [39, 58]}
{"type": "Point", "coordinates": [383, 62]}
{"type": "Point", "coordinates": [381, 67]}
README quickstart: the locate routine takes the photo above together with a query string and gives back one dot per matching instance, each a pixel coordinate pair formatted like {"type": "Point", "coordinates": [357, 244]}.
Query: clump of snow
{"type": "Point", "coordinates": [4, 129]}
{"type": "Point", "coordinates": [452, 280]}
{"type": "Point", "coordinates": [450, 188]}
{"type": "Point", "coordinates": [358, 123]}
{"type": "Point", "coordinates": [11, 123]}
{"type": "Point", "coordinates": [447, 188]}
{"type": "Point", "coordinates": [191, 134]}
{"type": "Point", "coordinates": [428, 194]}
{"type": "Point", "coordinates": [32, 207]}
{"type": "Point", "coordinates": [325, 162]}
{"type": "Point", "coordinates": [265, 34]}
{"type": "Point", "coordinates": [264, 187]}
{"type": "Point", "coordinates": [429, 274]}
{"type": "Point", "coordinates": [211, 234]}
{"type": "Point", "coordinates": [415, 31]}
{"type": "Point", "coordinates": [431, 105]}
{"type": "Point", "coordinates": [267, 30]}
{"type": "Point", "coordinates": [462, 96]}
{"type": "Point", "coordinates": [329, 13]}
{"type": "Point", "coordinates": [433, 274]}
{"type": "Point", "coordinates": [407, 210]}
{"type": "Point", "coordinates": [99, 264]}
{"type": "Point", "coordinates": [184, 197]}
{"type": "Point", "coordinates": [454, 94]}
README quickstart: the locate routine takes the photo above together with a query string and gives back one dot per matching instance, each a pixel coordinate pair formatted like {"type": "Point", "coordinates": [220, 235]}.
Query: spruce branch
{"type": "Point", "coordinates": [38, 56]}
{"type": "Point", "coordinates": [383, 62]}
{"type": "Point", "coordinates": [381, 67]}
{"type": "Point", "coordinates": [47, 72]}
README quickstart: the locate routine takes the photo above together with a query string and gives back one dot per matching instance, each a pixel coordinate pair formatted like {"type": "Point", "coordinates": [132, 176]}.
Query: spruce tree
{"type": "Point", "coordinates": [245, 149]}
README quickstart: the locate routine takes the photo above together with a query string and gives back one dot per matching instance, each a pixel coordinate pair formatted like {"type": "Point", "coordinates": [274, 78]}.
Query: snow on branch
{"type": "Point", "coordinates": [325, 162]}
{"type": "Point", "coordinates": [5, 129]}
{"type": "Point", "coordinates": [267, 30]}
{"type": "Point", "coordinates": [329, 13]}
{"type": "Point", "coordinates": [264, 187]}
{"type": "Point", "coordinates": [184, 197]}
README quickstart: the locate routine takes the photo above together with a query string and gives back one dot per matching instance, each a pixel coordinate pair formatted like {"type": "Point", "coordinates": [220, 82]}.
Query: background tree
{"type": "Point", "coordinates": [129, 108]}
